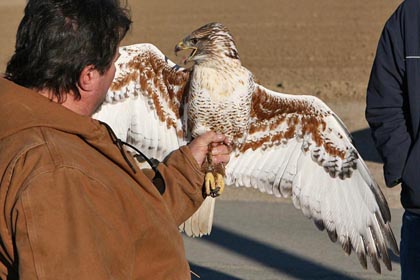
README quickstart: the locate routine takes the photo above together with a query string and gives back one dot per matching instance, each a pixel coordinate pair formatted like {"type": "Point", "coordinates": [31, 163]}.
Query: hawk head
{"type": "Point", "coordinates": [209, 42]}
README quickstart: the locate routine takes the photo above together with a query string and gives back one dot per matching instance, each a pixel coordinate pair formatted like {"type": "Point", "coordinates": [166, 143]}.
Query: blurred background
{"type": "Point", "coordinates": [322, 48]}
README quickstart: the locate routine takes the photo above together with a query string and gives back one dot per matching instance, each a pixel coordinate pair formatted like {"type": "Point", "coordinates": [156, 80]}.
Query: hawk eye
{"type": "Point", "coordinates": [194, 40]}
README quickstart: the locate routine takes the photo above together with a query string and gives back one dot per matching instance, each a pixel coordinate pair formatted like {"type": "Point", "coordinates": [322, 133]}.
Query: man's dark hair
{"type": "Point", "coordinates": [56, 39]}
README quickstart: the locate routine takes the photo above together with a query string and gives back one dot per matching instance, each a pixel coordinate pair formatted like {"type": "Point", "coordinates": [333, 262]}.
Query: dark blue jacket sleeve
{"type": "Point", "coordinates": [387, 110]}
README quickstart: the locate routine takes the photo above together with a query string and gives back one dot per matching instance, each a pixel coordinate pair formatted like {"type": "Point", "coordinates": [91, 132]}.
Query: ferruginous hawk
{"type": "Point", "coordinates": [284, 145]}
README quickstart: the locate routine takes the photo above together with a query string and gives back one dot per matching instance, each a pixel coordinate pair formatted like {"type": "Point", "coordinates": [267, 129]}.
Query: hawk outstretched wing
{"type": "Point", "coordinates": [298, 147]}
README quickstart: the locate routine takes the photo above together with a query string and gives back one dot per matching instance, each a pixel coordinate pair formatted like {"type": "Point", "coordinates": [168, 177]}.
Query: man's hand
{"type": "Point", "coordinates": [220, 147]}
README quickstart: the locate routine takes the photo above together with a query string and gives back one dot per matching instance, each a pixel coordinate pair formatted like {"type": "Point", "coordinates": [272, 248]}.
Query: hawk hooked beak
{"type": "Point", "coordinates": [186, 46]}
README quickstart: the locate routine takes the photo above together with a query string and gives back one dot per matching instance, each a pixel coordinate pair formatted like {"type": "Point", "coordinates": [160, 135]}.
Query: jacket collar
{"type": "Point", "coordinates": [22, 108]}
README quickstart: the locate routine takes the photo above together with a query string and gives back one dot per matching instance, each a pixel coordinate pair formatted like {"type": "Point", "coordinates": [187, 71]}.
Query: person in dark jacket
{"type": "Point", "coordinates": [393, 113]}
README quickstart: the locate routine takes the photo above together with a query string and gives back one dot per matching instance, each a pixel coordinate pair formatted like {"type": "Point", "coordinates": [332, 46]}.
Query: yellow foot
{"type": "Point", "coordinates": [214, 186]}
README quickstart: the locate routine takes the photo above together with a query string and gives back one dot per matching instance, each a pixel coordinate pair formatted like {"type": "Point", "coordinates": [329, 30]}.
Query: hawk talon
{"type": "Point", "coordinates": [220, 183]}
{"type": "Point", "coordinates": [214, 186]}
{"type": "Point", "coordinates": [215, 193]}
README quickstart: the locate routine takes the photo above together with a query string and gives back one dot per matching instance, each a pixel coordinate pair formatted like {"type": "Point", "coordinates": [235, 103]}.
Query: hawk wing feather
{"type": "Point", "coordinates": [298, 147]}
{"type": "Point", "coordinates": [144, 107]}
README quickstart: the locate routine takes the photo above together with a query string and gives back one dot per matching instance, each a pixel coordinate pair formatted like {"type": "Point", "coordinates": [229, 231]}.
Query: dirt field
{"type": "Point", "coordinates": [323, 48]}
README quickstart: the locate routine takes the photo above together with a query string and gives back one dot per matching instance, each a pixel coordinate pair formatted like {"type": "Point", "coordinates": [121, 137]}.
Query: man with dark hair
{"type": "Point", "coordinates": [393, 113]}
{"type": "Point", "coordinates": [73, 203]}
{"type": "Point", "coordinates": [56, 40]}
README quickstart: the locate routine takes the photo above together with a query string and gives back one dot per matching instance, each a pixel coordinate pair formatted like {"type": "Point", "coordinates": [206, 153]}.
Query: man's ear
{"type": "Point", "coordinates": [88, 78]}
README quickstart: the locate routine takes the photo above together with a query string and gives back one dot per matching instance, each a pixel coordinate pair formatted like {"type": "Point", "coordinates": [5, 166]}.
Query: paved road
{"type": "Point", "coordinates": [266, 240]}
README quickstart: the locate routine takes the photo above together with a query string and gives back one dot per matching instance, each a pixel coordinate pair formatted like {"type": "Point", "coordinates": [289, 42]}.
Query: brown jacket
{"type": "Point", "coordinates": [72, 208]}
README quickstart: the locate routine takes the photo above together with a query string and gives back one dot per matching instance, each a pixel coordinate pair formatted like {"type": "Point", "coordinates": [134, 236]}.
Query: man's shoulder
{"type": "Point", "coordinates": [407, 11]}
{"type": "Point", "coordinates": [72, 150]}
{"type": "Point", "coordinates": [410, 4]}
{"type": "Point", "coordinates": [44, 146]}
{"type": "Point", "coordinates": [21, 142]}
{"type": "Point", "coordinates": [403, 27]}
{"type": "Point", "coordinates": [42, 150]}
